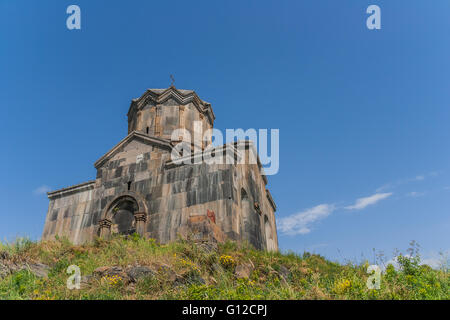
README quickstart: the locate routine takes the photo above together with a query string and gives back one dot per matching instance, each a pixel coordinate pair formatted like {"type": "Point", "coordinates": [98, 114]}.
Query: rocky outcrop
{"type": "Point", "coordinates": [243, 271]}
{"type": "Point", "coordinates": [7, 267]}
{"type": "Point", "coordinates": [132, 274]}
{"type": "Point", "coordinates": [285, 272]}
{"type": "Point", "coordinates": [139, 272]}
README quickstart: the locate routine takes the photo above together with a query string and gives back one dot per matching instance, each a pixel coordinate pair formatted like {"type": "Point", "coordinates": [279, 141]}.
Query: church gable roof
{"type": "Point", "coordinates": [135, 135]}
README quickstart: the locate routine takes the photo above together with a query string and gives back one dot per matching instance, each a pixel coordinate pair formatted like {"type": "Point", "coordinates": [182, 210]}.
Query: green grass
{"type": "Point", "coordinates": [310, 276]}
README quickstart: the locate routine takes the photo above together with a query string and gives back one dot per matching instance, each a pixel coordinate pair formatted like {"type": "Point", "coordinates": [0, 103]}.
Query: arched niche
{"type": "Point", "coordinates": [122, 216]}
{"type": "Point", "coordinates": [245, 207]}
{"type": "Point", "coordinates": [251, 222]}
{"type": "Point", "coordinates": [270, 245]}
{"type": "Point", "coordinates": [125, 214]}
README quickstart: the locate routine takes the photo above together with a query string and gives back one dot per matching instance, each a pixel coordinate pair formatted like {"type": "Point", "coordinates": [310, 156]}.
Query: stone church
{"type": "Point", "coordinates": [139, 188]}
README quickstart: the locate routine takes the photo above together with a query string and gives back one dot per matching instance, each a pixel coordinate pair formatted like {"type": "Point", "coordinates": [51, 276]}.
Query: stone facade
{"type": "Point", "coordinates": [139, 188]}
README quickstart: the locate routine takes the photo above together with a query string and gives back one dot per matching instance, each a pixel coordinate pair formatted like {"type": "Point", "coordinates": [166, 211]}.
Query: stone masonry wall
{"type": "Point", "coordinates": [171, 195]}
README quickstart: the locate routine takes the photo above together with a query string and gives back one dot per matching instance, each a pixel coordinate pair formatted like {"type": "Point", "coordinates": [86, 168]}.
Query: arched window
{"type": "Point", "coordinates": [269, 236]}
{"type": "Point", "coordinates": [246, 212]}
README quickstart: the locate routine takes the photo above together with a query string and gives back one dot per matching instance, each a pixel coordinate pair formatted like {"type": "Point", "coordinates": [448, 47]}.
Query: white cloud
{"type": "Point", "coordinates": [317, 246]}
{"type": "Point", "coordinates": [300, 223]}
{"type": "Point", "coordinates": [384, 187]}
{"type": "Point", "coordinates": [42, 190]}
{"type": "Point", "coordinates": [361, 203]}
{"type": "Point", "coordinates": [394, 262]}
{"type": "Point", "coordinates": [420, 177]}
{"type": "Point", "coordinates": [415, 194]}
{"type": "Point", "coordinates": [434, 261]}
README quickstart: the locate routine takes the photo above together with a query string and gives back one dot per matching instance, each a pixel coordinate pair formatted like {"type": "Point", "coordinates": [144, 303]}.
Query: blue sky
{"type": "Point", "coordinates": [362, 114]}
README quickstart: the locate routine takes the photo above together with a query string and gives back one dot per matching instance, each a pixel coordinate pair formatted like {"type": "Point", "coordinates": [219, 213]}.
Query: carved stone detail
{"type": "Point", "coordinates": [141, 219]}
{"type": "Point", "coordinates": [105, 227]}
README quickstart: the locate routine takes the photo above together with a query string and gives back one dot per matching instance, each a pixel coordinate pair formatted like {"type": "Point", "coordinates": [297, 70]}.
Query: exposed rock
{"type": "Point", "coordinates": [115, 270]}
{"type": "Point", "coordinates": [15, 267]}
{"type": "Point", "coordinates": [131, 287]}
{"type": "Point", "coordinates": [8, 267]}
{"type": "Point", "coordinates": [138, 272]}
{"type": "Point", "coordinates": [285, 272]}
{"type": "Point", "coordinates": [100, 271]}
{"type": "Point", "coordinates": [86, 281]}
{"type": "Point", "coordinates": [194, 278]}
{"type": "Point", "coordinates": [167, 272]}
{"type": "Point", "coordinates": [40, 270]}
{"type": "Point", "coordinates": [243, 271]}
{"type": "Point", "coordinates": [190, 277]}
{"type": "Point", "coordinates": [4, 270]}
{"type": "Point", "coordinates": [87, 278]}
{"type": "Point", "coordinates": [130, 274]}
{"type": "Point", "coordinates": [106, 271]}
{"type": "Point", "coordinates": [4, 255]}
{"type": "Point", "coordinates": [179, 281]}
{"type": "Point", "coordinates": [217, 268]}
{"type": "Point", "coordinates": [208, 246]}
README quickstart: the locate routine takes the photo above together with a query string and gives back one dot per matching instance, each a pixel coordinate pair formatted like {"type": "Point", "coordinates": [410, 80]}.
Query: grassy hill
{"type": "Point", "coordinates": [137, 268]}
